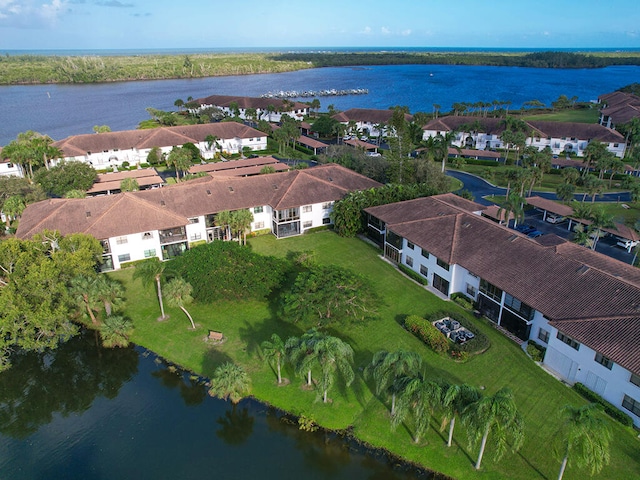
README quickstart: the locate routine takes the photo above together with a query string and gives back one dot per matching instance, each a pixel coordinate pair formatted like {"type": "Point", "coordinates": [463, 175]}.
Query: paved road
{"type": "Point", "coordinates": [481, 188]}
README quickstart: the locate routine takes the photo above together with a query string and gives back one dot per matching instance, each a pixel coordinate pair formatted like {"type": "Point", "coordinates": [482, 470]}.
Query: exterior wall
{"type": "Point", "coordinates": [315, 215]}
{"type": "Point", "coordinates": [261, 220]}
{"type": "Point", "coordinates": [8, 169]}
{"type": "Point", "coordinates": [483, 141]}
{"type": "Point", "coordinates": [573, 366]}
{"type": "Point", "coordinates": [115, 158]}
{"type": "Point", "coordinates": [135, 245]}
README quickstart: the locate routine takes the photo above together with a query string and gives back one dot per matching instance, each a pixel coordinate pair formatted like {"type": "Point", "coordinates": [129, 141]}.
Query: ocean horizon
{"type": "Point", "coordinates": [231, 50]}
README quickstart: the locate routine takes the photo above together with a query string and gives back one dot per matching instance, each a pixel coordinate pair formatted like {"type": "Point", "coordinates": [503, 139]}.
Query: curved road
{"type": "Point", "coordinates": [481, 188]}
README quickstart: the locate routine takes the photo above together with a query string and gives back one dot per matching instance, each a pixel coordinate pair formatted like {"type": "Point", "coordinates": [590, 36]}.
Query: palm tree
{"type": "Point", "coordinates": [419, 397]}
{"type": "Point", "coordinates": [224, 219]}
{"type": "Point", "coordinates": [230, 382]}
{"type": "Point", "coordinates": [12, 208]}
{"type": "Point", "coordinates": [497, 413]}
{"type": "Point", "coordinates": [585, 434]}
{"type": "Point", "coordinates": [149, 271]}
{"type": "Point", "coordinates": [513, 205]}
{"type": "Point", "coordinates": [600, 220]}
{"type": "Point", "coordinates": [455, 398]}
{"type": "Point", "coordinates": [83, 290]}
{"type": "Point", "coordinates": [302, 352]}
{"type": "Point", "coordinates": [275, 350]}
{"type": "Point", "coordinates": [110, 292]}
{"type": "Point", "coordinates": [178, 293]}
{"type": "Point", "coordinates": [241, 222]}
{"type": "Point", "coordinates": [115, 331]}
{"type": "Point", "coordinates": [334, 355]}
{"type": "Point", "coordinates": [387, 367]}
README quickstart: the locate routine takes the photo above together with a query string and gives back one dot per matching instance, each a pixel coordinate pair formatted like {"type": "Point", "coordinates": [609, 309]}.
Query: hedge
{"type": "Point", "coordinates": [609, 408]}
{"type": "Point", "coordinates": [426, 332]}
{"type": "Point", "coordinates": [413, 274]}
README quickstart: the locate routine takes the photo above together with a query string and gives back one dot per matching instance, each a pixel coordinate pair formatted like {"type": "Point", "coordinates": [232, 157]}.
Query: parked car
{"type": "Point", "coordinates": [522, 228]}
{"type": "Point", "coordinates": [555, 218]}
{"type": "Point", "coordinates": [625, 243]}
{"type": "Point", "coordinates": [535, 234]}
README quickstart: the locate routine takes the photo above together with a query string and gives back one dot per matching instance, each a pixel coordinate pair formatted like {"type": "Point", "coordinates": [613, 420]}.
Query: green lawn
{"type": "Point", "coordinates": [584, 115]}
{"type": "Point", "coordinates": [245, 325]}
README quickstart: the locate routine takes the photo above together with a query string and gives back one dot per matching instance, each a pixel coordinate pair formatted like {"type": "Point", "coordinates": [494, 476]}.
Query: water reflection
{"type": "Point", "coordinates": [82, 412]}
{"type": "Point", "coordinates": [236, 425]}
{"type": "Point", "coordinates": [63, 381]}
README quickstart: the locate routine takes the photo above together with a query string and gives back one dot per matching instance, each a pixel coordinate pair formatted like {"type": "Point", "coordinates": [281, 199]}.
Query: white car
{"type": "Point", "coordinates": [626, 244]}
{"type": "Point", "coordinates": [554, 218]}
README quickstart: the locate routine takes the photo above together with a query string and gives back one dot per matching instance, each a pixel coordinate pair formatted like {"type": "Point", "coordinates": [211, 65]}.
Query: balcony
{"type": "Point", "coordinates": [172, 235]}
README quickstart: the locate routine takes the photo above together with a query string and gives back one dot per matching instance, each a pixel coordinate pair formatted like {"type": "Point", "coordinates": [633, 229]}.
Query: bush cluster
{"type": "Point", "coordinates": [425, 331]}
{"type": "Point", "coordinates": [609, 408]}
{"type": "Point", "coordinates": [462, 300]}
{"type": "Point", "coordinates": [535, 351]}
{"type": "Point", "coordinates": [413, 274]}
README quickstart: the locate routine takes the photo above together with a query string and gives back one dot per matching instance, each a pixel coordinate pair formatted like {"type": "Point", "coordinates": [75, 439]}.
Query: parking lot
{"type": "Point", "coordinates": [606, 245]}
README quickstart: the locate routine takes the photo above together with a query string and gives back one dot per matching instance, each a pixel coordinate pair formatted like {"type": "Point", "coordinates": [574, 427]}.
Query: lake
{"type": "Point", "coordinates": [64, 110]}
{"type": "Point", "coordinates": [83, 412]}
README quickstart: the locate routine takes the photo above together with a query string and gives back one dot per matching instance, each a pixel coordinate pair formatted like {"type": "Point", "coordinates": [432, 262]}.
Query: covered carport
{"type": "Point", "coordinates": [549, 206]}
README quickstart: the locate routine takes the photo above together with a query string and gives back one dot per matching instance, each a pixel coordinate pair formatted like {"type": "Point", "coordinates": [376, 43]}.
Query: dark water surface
{"type": "Point", "coordinates": [63, 110]}
{"type": "Point", "coordinates": [85, 413]}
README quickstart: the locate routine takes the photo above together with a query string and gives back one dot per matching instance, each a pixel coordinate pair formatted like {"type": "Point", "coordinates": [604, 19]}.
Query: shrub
{"type": "Point", "coordinates": [462, 300]}
{"type": "Point", "coordinates": [425, 331]}
{"type": "Point", "coordinates": [125, 164]}
{"type": "Point", "coordinates": [535, 351]}
{"type": "Point", "coordinates": [413, 274]}
{"type": "Point", "coordinates": [220, 270]}
{"type": "Point", "coordinates": [609, 408]}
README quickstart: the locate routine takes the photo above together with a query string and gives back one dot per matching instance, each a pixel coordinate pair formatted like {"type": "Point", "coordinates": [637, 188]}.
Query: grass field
{"type": "Point", "coordinates": [584, 115]}
{"type": "Point", "coordinates": [246, 324]}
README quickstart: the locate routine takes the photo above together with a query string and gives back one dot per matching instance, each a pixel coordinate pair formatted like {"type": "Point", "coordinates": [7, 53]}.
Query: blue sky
{"type": "Point", "coordinates": [139, 24]}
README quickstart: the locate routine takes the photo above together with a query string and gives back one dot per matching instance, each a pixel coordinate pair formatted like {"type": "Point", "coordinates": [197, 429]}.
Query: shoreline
{"type": "Point", "coordinates": [32, 69]}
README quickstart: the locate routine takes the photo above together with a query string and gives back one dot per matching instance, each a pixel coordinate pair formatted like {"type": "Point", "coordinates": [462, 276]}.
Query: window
{"type": "Point", "coordinates": [632, 405]}
{"type": "Point", "coordinates": [147, 236]}
{"type": "Point", "coordinates": [471, 290]}
{"type": "Point", "coordinates": [307, 208]}
{"type": "Point", "coordinates": [568, 340]}
{"type": "Point", "coordinates": [307, 224]}
{"type": "Point", "coordinates": [635, 379]}
{"type": "Point", "coordinates": [604, 361]}
{"type": "Point", "coordinates": [518, 307]}
{"type": "Point", "coordinates": [409, 261]}
{"type": "Point", "coordinates": [615, 145]}
{"type": "Point", "coordinates": [257, 209]}
{"type": "Point", "coordinates": [150, 253]}
{"type": "Point", "coordinates": [491, 290]}
{"type": "Point", "coordinates": [410, 245]}
{"type": "Point", "coordinates": [326, 221]}
{"type": "Point", "coordinates": [425, 254]}
{"type": "Point", "coordinates": [543, 335]}
{"type": "Point", "coordinates": [424, 271]}
{"type": "Point", "coordinates": [121, 240]}
{"type": "Point", "coordinates": [326, 205]}
{"type": "Point", "coordinates": [195, 237]}
{"type": "Point", "coordinates": [124, 258]}
{"type": "Point", "coordinates": [258, 225]}
{"type": "Point", "coordinates": [442, 264]}
{"type": "Point", "coordinates": [194, 220]}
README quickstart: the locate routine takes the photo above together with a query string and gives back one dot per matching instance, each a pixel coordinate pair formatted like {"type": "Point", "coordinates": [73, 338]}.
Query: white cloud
{"type": "Point", "coordinates": [406, 33]}
{"type": "Point", "coordinates": [385, 31]}
{"type": "Point", "coordinates": [31, 13]}
{"type": "Point", "coordinates": [366, 31]}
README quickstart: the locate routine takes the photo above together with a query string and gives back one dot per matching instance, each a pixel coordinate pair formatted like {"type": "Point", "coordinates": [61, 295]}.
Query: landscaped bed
{"type": "Point", "coordinates": [246, 324]}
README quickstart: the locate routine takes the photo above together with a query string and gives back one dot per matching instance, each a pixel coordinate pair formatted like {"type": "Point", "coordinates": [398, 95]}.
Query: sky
{"type": "Point", "coordinates": [228, 24]}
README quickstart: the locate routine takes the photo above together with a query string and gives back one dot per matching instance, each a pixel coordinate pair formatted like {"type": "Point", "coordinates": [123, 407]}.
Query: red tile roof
{"type": "Point", "coordinates": [563, 281]}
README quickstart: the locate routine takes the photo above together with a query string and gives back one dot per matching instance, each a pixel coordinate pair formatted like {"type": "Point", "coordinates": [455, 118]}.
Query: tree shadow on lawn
{"type": "Point", "coordinates": [254, 333]}
{"type": "Point", "coordinates": [212, 359]}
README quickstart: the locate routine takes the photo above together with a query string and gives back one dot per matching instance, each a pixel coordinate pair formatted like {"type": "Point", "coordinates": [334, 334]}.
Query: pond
{"type": "Point", "coordinates": [83, 412]}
